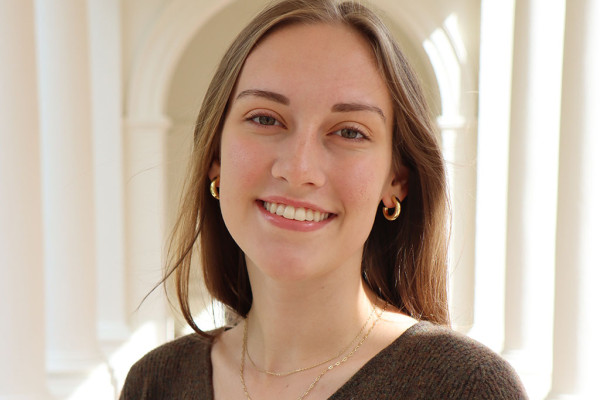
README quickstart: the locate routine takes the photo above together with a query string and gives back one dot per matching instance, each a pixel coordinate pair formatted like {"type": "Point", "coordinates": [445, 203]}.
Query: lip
{"type": "Point", "coordinates": [290, 224]}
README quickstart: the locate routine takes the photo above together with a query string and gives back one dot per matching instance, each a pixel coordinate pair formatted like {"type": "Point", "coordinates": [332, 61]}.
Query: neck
{"type": "Point", "coordinates": [292, 325]}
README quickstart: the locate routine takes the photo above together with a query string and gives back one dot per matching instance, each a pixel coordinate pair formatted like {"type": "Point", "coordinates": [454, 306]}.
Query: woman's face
{"type": "Point", "coordinates": [306, 152]}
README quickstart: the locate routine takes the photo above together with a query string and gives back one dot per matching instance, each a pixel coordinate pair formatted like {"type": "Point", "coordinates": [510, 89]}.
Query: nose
{"type": "Point", "coordinates": [299, 161]}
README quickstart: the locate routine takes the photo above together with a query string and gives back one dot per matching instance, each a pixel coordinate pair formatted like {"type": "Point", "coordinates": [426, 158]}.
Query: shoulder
{"type": "Point", "coordinates": [440, 343]}
{"type": "Point", "coordinates": [174, 354]}
{"type": "Point", "coordinates": [432, 362]}
{"type": "Point", "coordinates": [458, 364]}
{"type": "Point", "coordinates": [169, 369]}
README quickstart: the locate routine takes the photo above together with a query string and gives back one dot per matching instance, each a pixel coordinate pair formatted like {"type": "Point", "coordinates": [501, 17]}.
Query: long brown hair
{"type": "Point", "coordinates": [404, 262]}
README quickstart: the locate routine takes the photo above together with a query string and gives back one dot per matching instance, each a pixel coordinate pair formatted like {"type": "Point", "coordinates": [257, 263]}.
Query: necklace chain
{"type": "Point", "coordinates": [318, 378]}
{"type": "Point", "coordinates": [339, 354]}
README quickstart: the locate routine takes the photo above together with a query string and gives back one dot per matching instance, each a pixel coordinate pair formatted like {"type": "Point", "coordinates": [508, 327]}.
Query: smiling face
{"type": "Point", "coordinates": [306, 152]}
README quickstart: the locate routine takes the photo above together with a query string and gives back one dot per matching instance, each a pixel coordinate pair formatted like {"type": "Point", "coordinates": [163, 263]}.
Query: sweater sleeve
{"type": "Point", "coordinates": [180, 369]}
{"type": "Point", "coordinates": [137, 384]}
{"type": "Point", "coordinates": [493, 378]}
{"type": "Point", "coordinates": [470, 369]}
{"type": "Point", "coordinates": [431, 362]}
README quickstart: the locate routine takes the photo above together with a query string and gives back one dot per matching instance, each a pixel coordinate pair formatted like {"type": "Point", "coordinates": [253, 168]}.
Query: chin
{"type": "Point", "coordinates": [289, 269]}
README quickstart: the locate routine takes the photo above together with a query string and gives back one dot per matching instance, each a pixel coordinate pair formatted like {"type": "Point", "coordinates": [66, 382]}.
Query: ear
{"type": "Point", "coordinates": [215, 170]}
{"type": "Point", "coordinates": [397, 187]}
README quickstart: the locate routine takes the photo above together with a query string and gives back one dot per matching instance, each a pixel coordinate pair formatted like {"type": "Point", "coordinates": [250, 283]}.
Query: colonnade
{"type": "Point", "coordinates": [546, 276]}
{"type": "Point", "coordinates": [67, 310]}
{"type": "Point", "coordinates": [83, 199]}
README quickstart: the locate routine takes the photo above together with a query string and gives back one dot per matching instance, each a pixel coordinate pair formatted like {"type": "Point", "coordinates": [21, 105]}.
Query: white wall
{"type": "Point", "coordinates": [148, 65]}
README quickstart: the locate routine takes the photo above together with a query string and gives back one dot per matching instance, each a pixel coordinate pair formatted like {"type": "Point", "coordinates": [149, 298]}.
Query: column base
{"type": "Point", "coordinates": [69, 372]}
{"type": "Point", "coordinates": [565, 397]}
{"type": "Point", "coordinates": [534, 370]}
{"type": "Point", "coordinates": [70, 362]}
{"type": "Point", "coordinates": [94, 384]}
{"type": "Point", "coordinates": [28, 396]}
{"type": "Point", "coordinates": [112, 335]}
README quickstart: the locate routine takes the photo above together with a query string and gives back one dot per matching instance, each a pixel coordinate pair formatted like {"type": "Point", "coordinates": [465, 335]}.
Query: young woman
{"type": "Point", "coordinates": [317, 197]}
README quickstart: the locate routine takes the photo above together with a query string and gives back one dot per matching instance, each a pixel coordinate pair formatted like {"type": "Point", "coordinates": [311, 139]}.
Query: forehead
{"type": "Point", "coordinates": [331, 60]}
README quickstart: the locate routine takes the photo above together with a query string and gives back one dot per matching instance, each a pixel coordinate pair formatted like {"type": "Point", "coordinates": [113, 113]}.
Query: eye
{"type": "Point", "coordinates": [265, 120]}
{"type": "Point", "coordinates": [348, 133]}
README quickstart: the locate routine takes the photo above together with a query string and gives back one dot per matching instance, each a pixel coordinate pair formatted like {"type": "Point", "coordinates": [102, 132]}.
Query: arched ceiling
{"type": "Point", "coordinates": [175, 63]}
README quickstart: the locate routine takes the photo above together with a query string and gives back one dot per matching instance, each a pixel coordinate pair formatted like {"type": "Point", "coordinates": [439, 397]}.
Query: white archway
{"type": "Point", "coordinates": [159, 54]}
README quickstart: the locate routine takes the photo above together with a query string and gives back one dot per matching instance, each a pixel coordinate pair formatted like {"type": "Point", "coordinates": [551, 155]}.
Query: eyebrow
{"type": "Point", "coordinates": [339, 107]}
{"type": "Point", "coordinates": [276, 97]}
{"type": "Point", "coordinates": [349, 107]}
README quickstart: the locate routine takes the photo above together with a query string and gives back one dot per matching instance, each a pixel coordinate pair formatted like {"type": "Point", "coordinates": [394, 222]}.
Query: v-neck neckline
{"type": "Point", "coordinates": [341, 392]}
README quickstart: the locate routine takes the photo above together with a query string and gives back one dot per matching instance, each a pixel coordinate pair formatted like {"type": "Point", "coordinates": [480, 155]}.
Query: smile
{"type": "Point", "coordinates": [298, 214]}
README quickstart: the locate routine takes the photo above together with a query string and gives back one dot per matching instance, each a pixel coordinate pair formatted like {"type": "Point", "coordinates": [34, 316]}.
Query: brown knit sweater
{"type": "Point", "coordinates": [426, 362]}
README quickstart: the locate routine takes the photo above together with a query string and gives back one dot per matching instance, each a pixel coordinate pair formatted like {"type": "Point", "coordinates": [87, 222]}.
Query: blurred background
{"type": "Point", "coordinates": [97, 107]}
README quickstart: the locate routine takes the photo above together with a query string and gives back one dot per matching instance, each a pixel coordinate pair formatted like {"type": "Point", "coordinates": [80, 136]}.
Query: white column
{"type": "Point", "coordinates": [460, 148]}
{"type": "Point", "coordinates": [69, 223]}
{"type": "Point", "coordinates": [22, 368]}
{"type": "Point", "coordinates": [109, 172]}
{"type": "Point", "coordinates": [533, 175]}
{"type": "Point", "coordinates": [576, 325]}
{"type": "Point", "coordinates": [497, 22]}
{"type": "Point", "coordinates": [180, 142]}
{"type": "Point", "coordinates": [145, 144]}
{"type": "Point", "coordinates": [447, 55]}
{"type": "Point", "coordinates": [145, 147]}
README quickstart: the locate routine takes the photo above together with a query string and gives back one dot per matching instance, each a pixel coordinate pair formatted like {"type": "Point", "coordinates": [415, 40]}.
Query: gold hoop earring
{"type": "Point", "coordinates": [214, 188]}
{"type": "Point", "coordinates": [397, 209]}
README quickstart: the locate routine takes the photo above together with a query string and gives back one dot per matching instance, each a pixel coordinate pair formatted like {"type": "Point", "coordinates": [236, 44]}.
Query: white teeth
{"type": "Point", "coordinates": [280, 209]}
{"type": "Point", "coordinates": [299, 214]}
{"type": "Point", "coordinates": [289, 212]}
{"type": "Point", "coordinates": [309, 215]}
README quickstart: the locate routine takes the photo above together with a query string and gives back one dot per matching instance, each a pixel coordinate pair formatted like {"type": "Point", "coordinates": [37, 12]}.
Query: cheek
{"type": "Point", "coordinates": [363, 182]}
{"type": "Point", "coordinates": [241, 164]}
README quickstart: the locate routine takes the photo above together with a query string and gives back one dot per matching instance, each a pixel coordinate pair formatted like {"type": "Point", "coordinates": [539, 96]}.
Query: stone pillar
{"type": "Point", "coordinates": [460, 148]}
{"type": "Point", "coordinates": [109, 172]}
{"type": "Point", "coordinates": [497, 22]}
{"type": "Point", "coordinates": [67, 165]}
{"type": "Point", "coordinates": [22, 355]}
{"type": "Point", "coordinates": [145, 147]}
{"type": "Point", "coordinates": [533, 175]}
{"type": "Point", "coordinates": [145, 173]}
{"type": "Point", "coordinates": [448, 57]}
{"type": "Point", "coordinates": [576, 326]}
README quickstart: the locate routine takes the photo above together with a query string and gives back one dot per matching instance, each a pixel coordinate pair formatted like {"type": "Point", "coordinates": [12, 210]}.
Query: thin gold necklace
{"type": "Point", "coordinates": [338, 355]}
{"type": "Point", "coordinates": [318, 378]}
